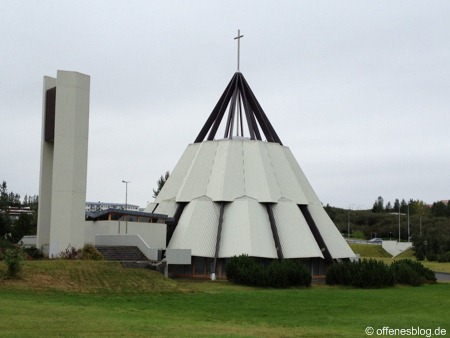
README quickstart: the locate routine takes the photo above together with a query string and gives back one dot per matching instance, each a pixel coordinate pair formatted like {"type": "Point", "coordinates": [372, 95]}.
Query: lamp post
{"type": "Point", "coordinates": [126, 193]}
{"type": "Point", "coordinates": [348, 229]}
{"type": "Point", "coordinates": [409, 236]}
{"type": "Point", "coordinates": [399, 222]}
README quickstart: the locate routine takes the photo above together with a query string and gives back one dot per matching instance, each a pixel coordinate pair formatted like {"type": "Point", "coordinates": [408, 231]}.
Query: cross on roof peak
{"type": "Point", "coordinates": [238, 38]}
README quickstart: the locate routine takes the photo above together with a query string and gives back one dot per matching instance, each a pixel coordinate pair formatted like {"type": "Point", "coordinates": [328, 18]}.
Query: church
{"type": "Point", "coordinates": [244, 193]}
{"type": "Point", "coordinates": [237, 192]}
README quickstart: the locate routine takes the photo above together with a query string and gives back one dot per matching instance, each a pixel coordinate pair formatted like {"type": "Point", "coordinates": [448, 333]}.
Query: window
{"type": "Point", "coordinates": [199, 266]}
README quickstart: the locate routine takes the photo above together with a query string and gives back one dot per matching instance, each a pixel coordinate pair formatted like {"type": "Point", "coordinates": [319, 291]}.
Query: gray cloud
{"type": "Point", "coordinates": [359, 90]}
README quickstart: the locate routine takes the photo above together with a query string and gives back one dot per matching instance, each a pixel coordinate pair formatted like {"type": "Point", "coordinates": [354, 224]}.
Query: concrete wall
{"type": "Point", "coordinates": [62, 190]}
{"type": "Point", "coordinates": [128, 240]}
{"type": "Point", "coordinates": [395, 248]}
{"type": "Point", "coordinates": [154, 234]}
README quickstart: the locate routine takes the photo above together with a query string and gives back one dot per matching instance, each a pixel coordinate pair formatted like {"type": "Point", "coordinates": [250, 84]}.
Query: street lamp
{"type": "Point", "coordinates": [399, 222]}
{"type": "Point", "coordinates": [409, 236]}
{"type": "Point", "coordinates": [348, 223]}
{"type": "Point", "coordinates": [126, 193]}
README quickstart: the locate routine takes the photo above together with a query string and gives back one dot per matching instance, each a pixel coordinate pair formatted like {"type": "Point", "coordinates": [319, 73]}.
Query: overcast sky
{"type": "Point", "coordinates": [358, 90]}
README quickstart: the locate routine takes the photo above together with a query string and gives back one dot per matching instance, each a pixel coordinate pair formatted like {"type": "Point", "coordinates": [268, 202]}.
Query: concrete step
{"type": "Point", "coordinates": [121, 253]}
{"type": "Point", "coordinates": [318, 280]}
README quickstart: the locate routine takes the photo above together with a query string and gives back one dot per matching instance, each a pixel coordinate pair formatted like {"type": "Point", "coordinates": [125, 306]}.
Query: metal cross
{"type": "Point", "coordinates": [239, 46]}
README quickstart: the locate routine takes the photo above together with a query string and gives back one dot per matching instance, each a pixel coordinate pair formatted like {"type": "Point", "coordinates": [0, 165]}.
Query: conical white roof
{"type": "Point", "coordinates": [244, 195]}
{"type": "Point", "coordinates": [246, 175]}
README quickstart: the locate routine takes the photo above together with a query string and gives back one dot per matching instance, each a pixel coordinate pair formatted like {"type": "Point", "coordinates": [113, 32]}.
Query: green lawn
{"type": "Point", "coordinates": [370, 250]}
{"type": "Point", "coordinates": [377, 252]}
{"type": "Point", "coordinates": [75, 298]}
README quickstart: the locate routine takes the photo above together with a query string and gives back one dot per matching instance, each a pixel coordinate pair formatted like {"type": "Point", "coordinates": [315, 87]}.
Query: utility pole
{"type": "Point", "coordinates": [409, 236]}
{"type": "Point", "coordinates": [399, 222]}
{"type": "Point", "coordinates": [126, 193]}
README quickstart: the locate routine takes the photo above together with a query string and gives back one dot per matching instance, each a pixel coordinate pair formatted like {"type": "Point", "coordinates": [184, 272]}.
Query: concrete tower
{"type": "Point", "coordinates": [64, 149]}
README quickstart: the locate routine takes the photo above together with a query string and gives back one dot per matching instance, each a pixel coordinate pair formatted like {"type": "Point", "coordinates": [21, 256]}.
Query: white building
{"type": "Point", "coordinates": [62, 187]}
{"type": "Point", "coordinates": [243, 195]}
{"type": "Point", "coordinates": [231, 195]}
{"type": "Point", "coordinates": [102, 206]}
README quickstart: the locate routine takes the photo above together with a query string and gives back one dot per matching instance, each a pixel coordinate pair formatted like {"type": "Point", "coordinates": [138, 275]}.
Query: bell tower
{"type": "Point", "coordinates": [63, 170]}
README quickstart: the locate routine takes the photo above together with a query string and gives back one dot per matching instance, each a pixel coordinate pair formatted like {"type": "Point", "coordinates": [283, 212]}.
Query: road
{"type": "Point", "coordinates": [442, 277]}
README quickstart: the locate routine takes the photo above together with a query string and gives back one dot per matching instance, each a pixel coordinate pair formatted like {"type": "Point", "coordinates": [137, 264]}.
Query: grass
{"type": "Point", "coordinates": [377, 252]}
{"type": "Point", "coordinates": [407, 254]}
{"type": "Point", "coordinates": [315, 312]}
{"type": "Point", "coordinates": [370, 250]}
{"type": "Point", "coordinates": [87, 277]}
{"type": "Point", "coordinates": [90, 299]}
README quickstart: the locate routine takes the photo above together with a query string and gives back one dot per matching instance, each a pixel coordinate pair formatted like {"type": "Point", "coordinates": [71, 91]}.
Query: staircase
{"type": "Point", "coordinates": [318, 280]}
{"type": "Point", "coordinates": [121, 253]}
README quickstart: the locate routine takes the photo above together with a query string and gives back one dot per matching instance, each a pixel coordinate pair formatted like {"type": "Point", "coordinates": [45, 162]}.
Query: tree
{"type": "Point", "coordinates": [3, 195]}
{"type": "Point", "coordinates": [439, 209]}
{"type": "Point", "coordinates": [388, 207]}
{"type": "Point", "coordinates": [26, 224]}
{"type": "Point", "coordinates": [160, 183]}
{"type": "Point", "coordinates": [403, 207]}
{"type": "Point", "coordinates": [396, 205]}
{"type": "Point", "coordinates": [4, 209]}
{"type": "Point", "coordinates": [378, 206]}
{"type": "Point", "coordinates": [14, 200]}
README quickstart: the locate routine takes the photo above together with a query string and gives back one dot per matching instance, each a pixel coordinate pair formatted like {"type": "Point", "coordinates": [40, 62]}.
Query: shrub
{"type": "Point", "coordinates": [245, 270]}
{"type": "Point", "coordinates": [69, 253]}
{"type": "Point", "coordinates": [13, 258]}
{"type": "Point", "coordinates": [89, 252]}
{"type": "Point", "coordinates": [444, 257]}
{"type": "Point", "coordinates": [363, 274]}
{"type": "Point", "coordinates": [405, 274]}
{"type": "Point", "coordinates": [287, 273]}
{"type": "Point", "coordinates": [3, 246]}
{"type": "Point", "coordinates": [33, 253]}
{"type": "Point", "coordinates": [340, 274]}
{"type": "Point", "coordinates": [248, 271]}
{"type": "Point", "coordinates": [431, 256]}
{"type": "Point", "coordinates": [419, 255]}
{"type": "Point", "coordinates": [373, 273]}
{"type": "Point", "coordinates": [425, 274]}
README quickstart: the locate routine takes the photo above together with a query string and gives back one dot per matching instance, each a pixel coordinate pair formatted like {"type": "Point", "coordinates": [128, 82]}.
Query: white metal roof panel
{"type": "Point", "coordinates": [260, 181]}
{"type": "Point", "coordinates": [150, 207]}
{"type": "Point", "coordinates": [227, 175]}
{"type": "Point", "coordinates": [166, 208]}
{"type": "Point", "coordinates": [197, 228]}
{"type": "Point", "coordinates": [228, 169]}
{"type": "Point", "coordinates": [288, 183]}
{"type": "Point", "coordinates": [334, 241]}
{"type": "Point", "coordinates": [296, 238]}
{"type": "Point", "coordinates": [178, 174]}
{"type": "Point", "coordinates": [197, 178]}
{"type": "Point", "coordinates": [246, 230]}
{"type": "Point", "coordinates": [301, 178]}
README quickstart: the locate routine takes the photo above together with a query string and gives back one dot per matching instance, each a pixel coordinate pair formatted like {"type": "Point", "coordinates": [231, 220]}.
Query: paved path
{"type": "Point", "coordinates": [442, 277]}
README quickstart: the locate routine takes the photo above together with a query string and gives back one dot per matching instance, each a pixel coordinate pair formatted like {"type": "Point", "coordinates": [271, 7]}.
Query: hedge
{"type": "Point", "coordinates": [376, 274]}
{"type": "Point", "coordinates": [279, 274]}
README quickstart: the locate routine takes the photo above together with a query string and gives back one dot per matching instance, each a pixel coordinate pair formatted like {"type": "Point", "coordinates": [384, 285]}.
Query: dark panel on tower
{"type": "Point", "coordinates": [50, 103]}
